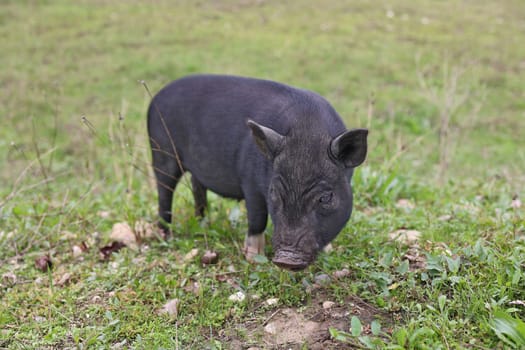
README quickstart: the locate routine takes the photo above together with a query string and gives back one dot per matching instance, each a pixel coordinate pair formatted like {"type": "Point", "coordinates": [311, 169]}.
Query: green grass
{"type": "Point", "coordinates": [69, 70]}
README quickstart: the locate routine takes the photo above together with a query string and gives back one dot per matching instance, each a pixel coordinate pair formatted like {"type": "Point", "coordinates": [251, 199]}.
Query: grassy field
{"type": "Point", "coordinates": [441, 86]}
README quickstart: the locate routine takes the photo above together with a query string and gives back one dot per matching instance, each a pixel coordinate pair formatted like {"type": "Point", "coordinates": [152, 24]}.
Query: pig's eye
{"type": "Point", "coordinates": [326, 198]}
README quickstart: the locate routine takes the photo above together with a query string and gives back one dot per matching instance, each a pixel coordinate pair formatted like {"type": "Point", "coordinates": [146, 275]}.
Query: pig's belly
{"type": "Point", "coordinates": [222, 181]}
{"type": "Point", "coordinates": [214, 161]}
{"type": "Point", "coordinates": [225, 190]}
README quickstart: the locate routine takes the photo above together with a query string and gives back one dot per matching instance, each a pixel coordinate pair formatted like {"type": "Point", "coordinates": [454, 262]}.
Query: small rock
{"type": "Point", "coordinates": [210, 257]}
{"type": "Point", "coordinates": [341, 273]}
{"type": "Point", "coordinates": [77, 251]}
{"type": "Point", "coordinates": [120, 345]}
{"type": "Point", "coordinates": [237, 297]}
{"type": "Point", "coordinates": [9, 278]}
{"type": "Point", "coordinates": [65, 279]}
{"type": "Point", "coordinates": [232, 282]}
{"type": "Point", "coordinates": [122, 232]}
{"type": "Point", "coordinates": [404, 204]}
{"type": "Point", "coordinates": [328, 305]}
{"type": "Point", "coordinates": [104, 214]}
{"type": "Point", "coordinates": [191, 254]}
{"type": "Point", "coordinates": [170, 308]}
{"type": "Point", "coordinates": [272, 301]}
{"type": "Point", "coordinates": [270, 328]}
{"type": "Point", "coordinates": [192, 287]}
{"type": "Point", "coordinates": [141, 260]}
{"type": "Point", "coordinates": [405, 236]}
{"type": "Point", "coordinates": [43, 263]}
{"type": "Point", "coordinates": [322, 279]}
{"type": "Point", "coordinates": [39, 319]}
{"type": "Point", "coordinates": [328, 248]}
{"type": "Point", "coordinates": [445, 217]}
{"type": "Point", "coordinates": [96, 299]}
{"type": "Point", "coordinates": [68, 235]}
{"type": "Point", "coordinates": [255, 297]}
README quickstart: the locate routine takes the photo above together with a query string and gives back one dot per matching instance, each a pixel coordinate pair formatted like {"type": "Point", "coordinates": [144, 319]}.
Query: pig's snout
{"type": "Point", "coordinates": [294, 250]}
{"type": "Point", "coordinates": [290, 261]}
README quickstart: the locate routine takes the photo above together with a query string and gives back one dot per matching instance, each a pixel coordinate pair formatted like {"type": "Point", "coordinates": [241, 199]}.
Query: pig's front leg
{"type": "Point", "coordinates": [257, 219]}
{"type": "Point", "coordinates": [253, 245]}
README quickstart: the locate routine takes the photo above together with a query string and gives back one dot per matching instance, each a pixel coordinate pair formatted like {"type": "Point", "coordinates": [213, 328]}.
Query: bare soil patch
{"type": "Point", "coordinates": [292, 328]}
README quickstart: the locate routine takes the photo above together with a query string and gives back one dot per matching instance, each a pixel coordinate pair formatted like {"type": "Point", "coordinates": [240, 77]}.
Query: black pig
{"type": "Point", "coordinates": [282, 149]}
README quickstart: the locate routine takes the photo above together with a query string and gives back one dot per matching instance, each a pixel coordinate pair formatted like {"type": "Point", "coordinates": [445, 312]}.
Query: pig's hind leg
{"type": "Point", "coordinates": [199, 196]}
{"type": "Point", "coordinates": [257, 219]}
{"type": "Point", "coordinates": [168, 174]}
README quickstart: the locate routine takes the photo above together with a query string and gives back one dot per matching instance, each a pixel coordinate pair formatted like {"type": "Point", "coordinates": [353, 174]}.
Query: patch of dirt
{"type": "Point", "coordinates": [293, 328]}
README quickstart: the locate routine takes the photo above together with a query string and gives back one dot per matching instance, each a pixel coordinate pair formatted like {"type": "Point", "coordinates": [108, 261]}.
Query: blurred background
{"type": "Point", "coordinates": [439, 83]}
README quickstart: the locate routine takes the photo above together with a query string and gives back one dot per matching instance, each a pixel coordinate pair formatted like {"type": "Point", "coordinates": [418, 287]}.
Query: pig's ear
{"type": "Point", "coordinates": [268, 140]}
{"type": "Point", "coordinates": [350, 147]}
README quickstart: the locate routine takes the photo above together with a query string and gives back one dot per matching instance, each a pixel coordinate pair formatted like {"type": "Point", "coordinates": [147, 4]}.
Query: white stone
{"type": "Point", "coordinates": [77, 251]}
{"type": "Point", "coordinates": [122, 232]}
{"type": "Point", "coordinates": [445, 217]}
{"type": "Point", "coordinates": [191, 254]}
{"type": "Point", "coordinates": [405, 236]}
{"type": "Point", "coordinates": [328, 305]}
{"type": "Point", "coordinates": [404, 203]}
{"type": "Point", "coordinates": [272, 301]}
{"type": "Point", "coordinates": [322, 279]}
{"type": "Point", "coordinates": [237, 297]}
{"type": "Point", "coordinates": [341, 273]}
{"type": "Point", "coordinates": [270, 328]}
{"type": "Point", "coordinates": [171, 307]}
{"type": "Point", "coordinates": [328, 248]}
{"type": "Point", "coordinates": [65, 279]}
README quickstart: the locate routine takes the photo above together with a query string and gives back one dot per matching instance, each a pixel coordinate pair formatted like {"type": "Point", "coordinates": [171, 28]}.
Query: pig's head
{"type": "Point", "coordinates": [309, 195]}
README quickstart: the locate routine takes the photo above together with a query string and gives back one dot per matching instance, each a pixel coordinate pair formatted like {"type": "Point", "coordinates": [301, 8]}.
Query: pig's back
{"type": "Point", "coordinates": [206, 117]}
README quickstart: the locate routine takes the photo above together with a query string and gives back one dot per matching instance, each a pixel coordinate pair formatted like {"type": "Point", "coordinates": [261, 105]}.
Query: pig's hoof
{"type": "Point", "coordinates": [253, 245]}
{"type": "Point", "coordinates": [164, 231]}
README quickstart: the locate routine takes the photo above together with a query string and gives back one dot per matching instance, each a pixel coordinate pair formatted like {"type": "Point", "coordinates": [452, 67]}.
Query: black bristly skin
{"type": "Point", "coordinates": [284, 150]}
